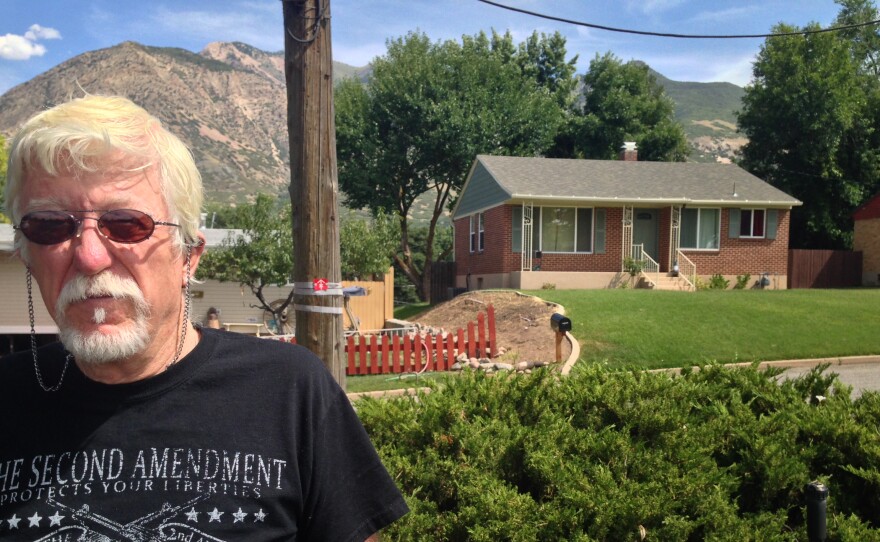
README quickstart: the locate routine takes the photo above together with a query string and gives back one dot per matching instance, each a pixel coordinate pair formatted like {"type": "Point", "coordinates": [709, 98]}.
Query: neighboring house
{"type": "Point", "coordinates": [866, 238]}
{"type": "Point", "coordinates": [530, 222]}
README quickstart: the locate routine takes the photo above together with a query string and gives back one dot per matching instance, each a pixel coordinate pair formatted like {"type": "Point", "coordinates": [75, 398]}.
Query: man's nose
{"type": "Point", "coordinates": [91, 252]}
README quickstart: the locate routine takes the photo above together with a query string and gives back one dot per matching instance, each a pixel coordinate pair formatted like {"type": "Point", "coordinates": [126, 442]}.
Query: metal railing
{"type": "Point", "coordinates": [686, 269]}
{"type": "Point", "coordinates": [649, 265]}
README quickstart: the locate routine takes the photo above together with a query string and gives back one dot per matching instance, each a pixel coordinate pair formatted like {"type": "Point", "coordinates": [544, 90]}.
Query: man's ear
{"type": "Point", "coordinates": [196, 249]}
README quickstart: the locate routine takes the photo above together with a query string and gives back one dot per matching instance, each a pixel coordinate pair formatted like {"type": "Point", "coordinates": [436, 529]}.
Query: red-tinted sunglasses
{"type": "Point", "coordinates": [120, 225]}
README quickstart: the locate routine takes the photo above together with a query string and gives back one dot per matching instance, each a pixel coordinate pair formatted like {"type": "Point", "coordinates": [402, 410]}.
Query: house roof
{"type": "Point", "coordinates": [868, 210]}
{"type": "Point", "coordinates": [498, 179]}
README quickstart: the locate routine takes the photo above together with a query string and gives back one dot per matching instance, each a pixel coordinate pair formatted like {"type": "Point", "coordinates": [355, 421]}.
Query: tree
{"type": "Point", "coordinates": [426, 111]}
{"type": "Point", "coordinates": [622, 102]}
{"type": "Point", "coordinates": [368, 246]}
{"type": "Point", "coordinates": [261, 255]}
{"type": "Point", "coordinates": [811, 116]}
{"type": "Point", "coordinates": [260, 252]}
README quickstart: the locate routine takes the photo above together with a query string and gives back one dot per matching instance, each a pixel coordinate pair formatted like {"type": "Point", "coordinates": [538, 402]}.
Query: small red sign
{"type": "Point", "coordinates": [320, 285]}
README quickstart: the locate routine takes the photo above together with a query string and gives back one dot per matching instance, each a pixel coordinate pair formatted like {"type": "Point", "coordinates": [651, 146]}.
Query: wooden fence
{"type": "Point", "coordinates": [414, 353]}
{"type": "Point", "coordinates": [824, 269]}
{"type": "Point", "coordinates": [442, 279]}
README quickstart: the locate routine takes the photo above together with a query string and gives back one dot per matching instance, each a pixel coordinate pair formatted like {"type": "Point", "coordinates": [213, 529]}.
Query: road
{"type": "Point", "coordinates": [862, 373]}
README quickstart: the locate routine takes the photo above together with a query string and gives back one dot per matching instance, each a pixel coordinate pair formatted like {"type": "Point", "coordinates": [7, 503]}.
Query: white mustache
{"type": "Point", "coordinates": [80, 288]}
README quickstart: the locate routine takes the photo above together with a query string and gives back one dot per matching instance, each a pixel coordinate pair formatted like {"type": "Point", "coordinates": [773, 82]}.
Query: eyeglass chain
{"type": "Point", "coordinates": [34, 342]}
{"type": "Point", "coordinates": [186, 305]}
{"type": "Point", "coordinates": [69, 356]}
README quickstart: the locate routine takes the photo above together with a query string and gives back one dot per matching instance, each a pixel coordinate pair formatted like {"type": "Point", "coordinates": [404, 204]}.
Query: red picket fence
{"type": "Point", "coordinates": [381, 354]}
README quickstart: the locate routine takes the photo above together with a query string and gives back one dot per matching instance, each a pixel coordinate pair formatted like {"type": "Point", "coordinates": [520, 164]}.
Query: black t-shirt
{"type": "Point", "coordinates": [243, 439]}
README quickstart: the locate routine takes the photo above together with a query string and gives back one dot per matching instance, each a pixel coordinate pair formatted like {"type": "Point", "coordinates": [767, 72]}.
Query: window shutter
{"type": "Point", "coordinates": [516, 229]}
{"type": "Point", "coordinates": [600, 231]}
{"type": "Point", "coordinates": [733, 229]}
{"type": "Point", "coordinates": [772, 222]}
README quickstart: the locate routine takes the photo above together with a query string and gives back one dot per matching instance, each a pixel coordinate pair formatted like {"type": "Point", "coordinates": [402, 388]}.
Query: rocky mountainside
{"type": "Point", "coordinates": [228, 104]}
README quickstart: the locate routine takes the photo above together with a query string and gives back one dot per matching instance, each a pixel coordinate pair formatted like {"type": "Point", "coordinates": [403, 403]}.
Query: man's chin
{"type": "Point", "coordinates": [108, 344]}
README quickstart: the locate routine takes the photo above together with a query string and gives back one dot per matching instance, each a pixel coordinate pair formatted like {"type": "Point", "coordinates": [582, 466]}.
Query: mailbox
{"type": "Point", "coordinates": [560, 323]}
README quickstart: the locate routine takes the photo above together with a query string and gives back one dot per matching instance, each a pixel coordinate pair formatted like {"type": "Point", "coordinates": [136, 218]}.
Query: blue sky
{"type": "Point", "coordinates": [36, 35]}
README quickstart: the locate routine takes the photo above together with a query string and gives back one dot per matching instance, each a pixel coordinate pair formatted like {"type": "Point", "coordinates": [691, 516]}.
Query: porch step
{"type": "Point", "coordinates": [666, 282]}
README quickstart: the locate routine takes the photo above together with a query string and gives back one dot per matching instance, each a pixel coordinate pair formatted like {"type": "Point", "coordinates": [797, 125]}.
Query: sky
{"type": "Point", "coordinates": [36, 35]}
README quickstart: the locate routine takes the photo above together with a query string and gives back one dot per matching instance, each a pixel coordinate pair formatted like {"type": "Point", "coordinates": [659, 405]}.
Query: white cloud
{"type": "Point", "coordinates": [258, 27]}
{"type": "Point", "coordinates": [724, 15]}
{"type": "Point", "coordinates": [652, 7]}
{"type": "Point", "coordinates": [737, 71]}
{"type": "Point", "coordinates": [37, 32]}
{"type": "Point", "coordinates": [15, 47]}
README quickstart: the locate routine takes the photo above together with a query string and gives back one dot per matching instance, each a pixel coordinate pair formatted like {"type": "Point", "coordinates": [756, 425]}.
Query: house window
{"type": "Point", "coordinates": [566, 229]}
{"type": "Point", "coordinates": [700, 229]}
{"type": "Point", "coordinates": [477, 233]}
{"type": "Point", "coordinates": [516, 229]}
{"type": "Point", "coordinates": [751, 223]}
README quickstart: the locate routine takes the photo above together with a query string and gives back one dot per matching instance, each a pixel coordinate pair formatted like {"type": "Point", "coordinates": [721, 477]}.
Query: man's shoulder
{"type": "Point", "coordinates": [264, 353]}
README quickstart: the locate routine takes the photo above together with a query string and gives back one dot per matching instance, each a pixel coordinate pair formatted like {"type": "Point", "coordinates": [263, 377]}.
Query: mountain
{"type": "Point", "coordinates": [228, 104]}
{"type": "Point", "coordinates": [707, 113]}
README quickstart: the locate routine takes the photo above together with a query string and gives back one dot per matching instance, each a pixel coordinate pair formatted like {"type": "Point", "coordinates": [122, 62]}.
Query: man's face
{"type": "Point", "coordinates": [119, 300]}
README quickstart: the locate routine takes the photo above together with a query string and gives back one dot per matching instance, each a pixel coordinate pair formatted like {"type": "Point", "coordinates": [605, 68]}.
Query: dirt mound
{"type": "Point", "coordinates": [522, 323]}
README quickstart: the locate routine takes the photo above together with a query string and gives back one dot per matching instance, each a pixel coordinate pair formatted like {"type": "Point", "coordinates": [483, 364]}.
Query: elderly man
{"type": "Point", "coordinates": [137, 425]}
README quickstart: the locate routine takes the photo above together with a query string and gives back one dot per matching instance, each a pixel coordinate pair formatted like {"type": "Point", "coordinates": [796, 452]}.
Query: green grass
{"type": "Point", "coordinates": [645, 329]}
{"type": "Point", "coordinates": [648, 329]}
{"type": "Point", "coordinates": [406, 312]}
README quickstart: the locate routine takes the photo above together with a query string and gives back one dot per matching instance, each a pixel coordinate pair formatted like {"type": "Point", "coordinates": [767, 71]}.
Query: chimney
{"type": "Point", "coordinates": [629, 153]}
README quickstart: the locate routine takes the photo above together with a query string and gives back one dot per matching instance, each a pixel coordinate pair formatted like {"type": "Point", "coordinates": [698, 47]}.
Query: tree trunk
{"type": "Point", "coordinates": [308, 67]}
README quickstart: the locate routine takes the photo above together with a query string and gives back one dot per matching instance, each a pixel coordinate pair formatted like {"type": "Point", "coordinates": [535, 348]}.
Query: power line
{"type": "Point", "coordinates": [671, 35]}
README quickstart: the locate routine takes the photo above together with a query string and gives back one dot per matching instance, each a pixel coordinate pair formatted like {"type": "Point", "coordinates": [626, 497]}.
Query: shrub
{"type": "Point", "coordinates": [718, 282]}
{"type": "Point", "coordinates": [742, 281]}
{"type": "Point", "coordinates": [714, 454]}
{"type": "Point", "coordinates": [548, 286]}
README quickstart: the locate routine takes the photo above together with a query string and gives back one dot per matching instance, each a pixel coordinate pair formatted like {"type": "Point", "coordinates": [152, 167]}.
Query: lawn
{"type": "Point", "coordinates": [648, 329]}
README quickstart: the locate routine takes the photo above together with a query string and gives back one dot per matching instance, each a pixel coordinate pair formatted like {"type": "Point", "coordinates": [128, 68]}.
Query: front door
{"type": "Point", "coordinates": [645, 230]}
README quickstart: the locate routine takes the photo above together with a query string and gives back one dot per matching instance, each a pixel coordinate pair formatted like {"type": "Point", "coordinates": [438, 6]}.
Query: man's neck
{"type": "Point", "coordinates": [140, 367]}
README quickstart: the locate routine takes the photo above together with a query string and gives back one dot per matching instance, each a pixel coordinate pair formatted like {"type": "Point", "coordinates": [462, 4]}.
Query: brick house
{"type": "Point", "coordinates": [526, 222]}
{"type": "Point", "coordinates": [866, 239]}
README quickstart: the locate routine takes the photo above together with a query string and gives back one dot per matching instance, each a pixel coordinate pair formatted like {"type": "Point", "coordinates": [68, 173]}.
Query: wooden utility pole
{"type": "Point", "coordinates": [308, 68]}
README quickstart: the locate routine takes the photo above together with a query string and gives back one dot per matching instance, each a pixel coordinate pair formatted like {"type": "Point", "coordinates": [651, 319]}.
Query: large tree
{"type": "Point", "coordinates": [367, 246]}
{"type": "Point", "coordinates": [621, 102]}
{"type": "Point", "coordinates": [426, 111]}
{"type": "Point", "coordinates": [811, 116]}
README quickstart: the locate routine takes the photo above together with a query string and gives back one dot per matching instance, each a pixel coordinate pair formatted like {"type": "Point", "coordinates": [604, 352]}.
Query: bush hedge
{"type": "Point", "coordinates": [713, 454]}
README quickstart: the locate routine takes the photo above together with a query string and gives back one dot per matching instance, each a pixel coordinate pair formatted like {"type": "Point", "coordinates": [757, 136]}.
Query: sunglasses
{"type": "Point", "coordinates": [120, 225]}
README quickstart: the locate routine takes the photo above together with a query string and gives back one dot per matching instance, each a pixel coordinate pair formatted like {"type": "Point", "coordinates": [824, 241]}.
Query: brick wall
{"type": "Point", "coordinates": [736, 257]}
{"type": "Point", "coordinates": [866, 239]}
{"type": "Point", "coordinates": [498, 255]}
{"type": "Point", "coordinates": [741, 256]}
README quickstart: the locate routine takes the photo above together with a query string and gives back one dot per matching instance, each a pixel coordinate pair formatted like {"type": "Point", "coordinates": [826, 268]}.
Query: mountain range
{"type": "Point", "coordinates": [228, 104]}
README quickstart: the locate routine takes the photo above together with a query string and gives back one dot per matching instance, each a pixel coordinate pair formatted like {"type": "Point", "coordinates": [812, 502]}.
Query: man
{"type": "Point", "coordinates": [138, 426]}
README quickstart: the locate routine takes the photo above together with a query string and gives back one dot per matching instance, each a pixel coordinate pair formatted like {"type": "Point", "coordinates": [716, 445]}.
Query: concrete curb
{"type": "Point", "coordinates": [575, 353]}
{"type": "Point", "coordinates": [387, 394]}
{"type": "Point", "coordinates": [786, 363]}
